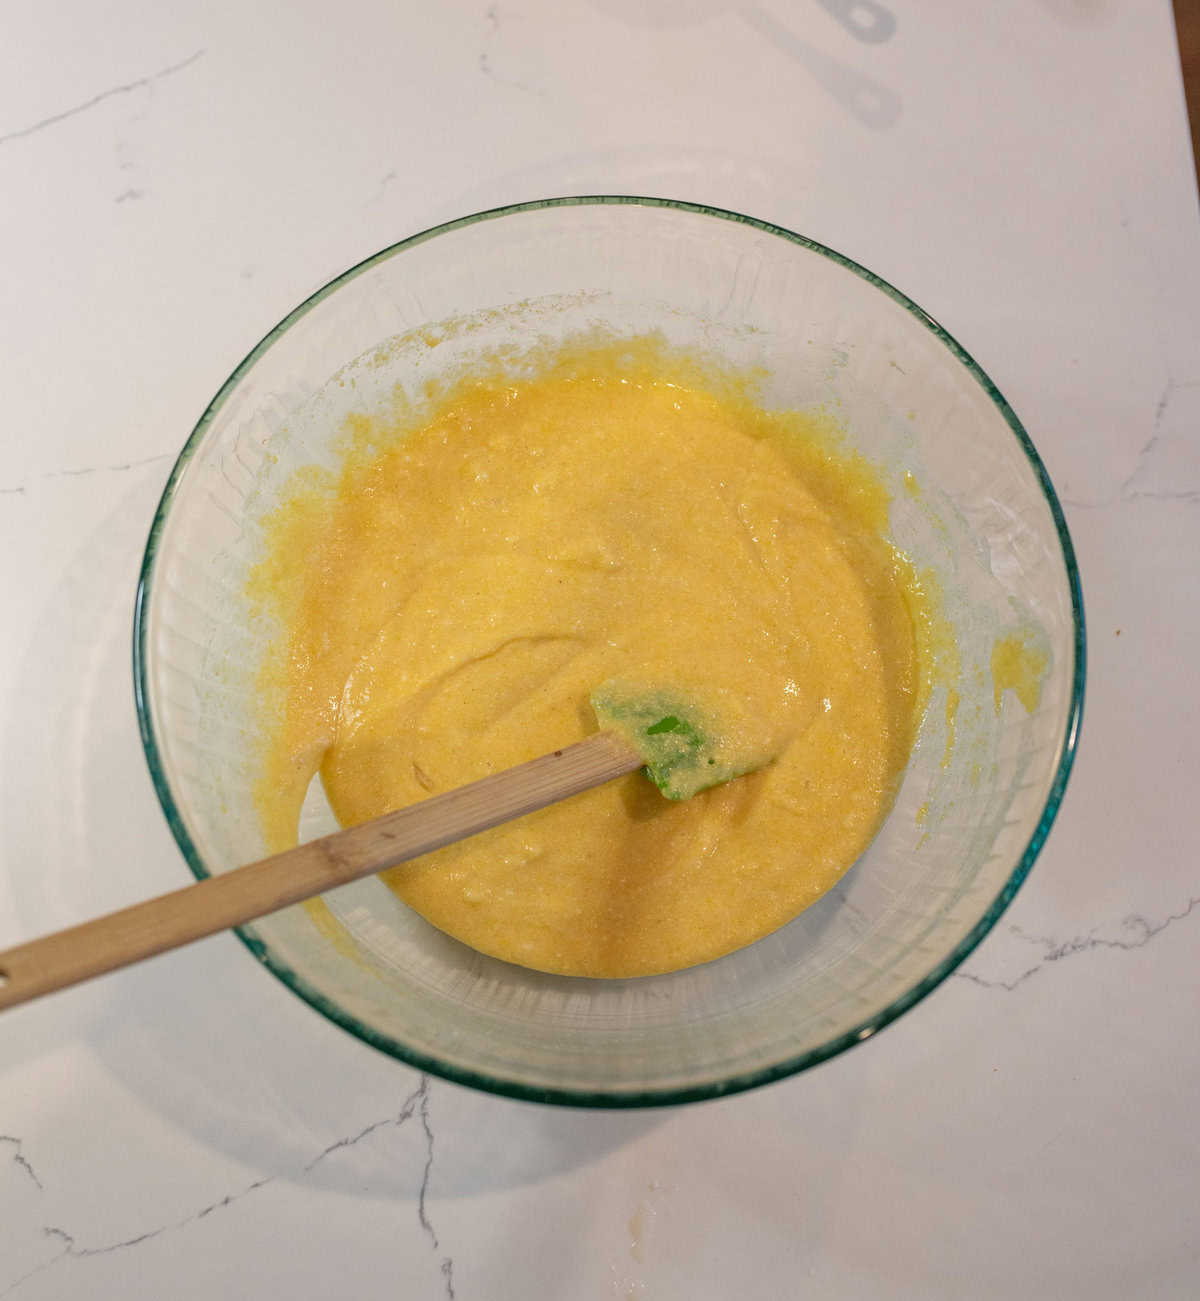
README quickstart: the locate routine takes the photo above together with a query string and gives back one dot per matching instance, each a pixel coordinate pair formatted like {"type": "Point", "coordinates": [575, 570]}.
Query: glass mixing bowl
{"type": "Point", "coordinates": [971, 503]}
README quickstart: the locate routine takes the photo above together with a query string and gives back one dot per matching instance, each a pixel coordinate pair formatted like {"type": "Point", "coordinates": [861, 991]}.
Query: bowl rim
{"type": "Point", "coordinates": [616, 1098]}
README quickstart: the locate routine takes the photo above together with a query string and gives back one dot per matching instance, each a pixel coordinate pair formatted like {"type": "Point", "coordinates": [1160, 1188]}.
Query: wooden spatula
{"type": "Point", "coordinates": [652, 730]}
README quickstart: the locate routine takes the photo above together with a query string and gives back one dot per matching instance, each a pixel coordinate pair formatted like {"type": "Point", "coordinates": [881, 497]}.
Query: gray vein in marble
{"type": "Point", "coordinates": [124, 89]}
{"type": "Point", "coordinates": [227, 1200]}
{"type": "Point", "coordinates": [416, 1104]}
{"type": "Point", "coordinates": [72, 1250]}
{"type": "Point", "coordinates": [386, 180]}
{"type": "Point", "coordinates": [1168, 388]}
{"type": "Point", "coordinates": [447, 1264]}
{"type": "Point", "coordinates": [492, 18]}
{"type": "Point", "coordinates": [18, 1157]}
{"type": "Point", "coordinates": [1163, 494]}
{"type": "Point", "coordinates": [1136, 933]}
{"type": "Point", "coordinates": [411, 1103]}
{"type": "Point", "coordinates": [1129, 490]}
{"type": "Point", "coordinates": [80, 471]}
{"type": "Point", "coordinates": [127, 196]}
{"type": "Point", "coordinates": [107, 469]}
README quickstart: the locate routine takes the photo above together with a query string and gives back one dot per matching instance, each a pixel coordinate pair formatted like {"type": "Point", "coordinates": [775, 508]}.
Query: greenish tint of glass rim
{"type": "Point", "coordinates": [618, 1098]}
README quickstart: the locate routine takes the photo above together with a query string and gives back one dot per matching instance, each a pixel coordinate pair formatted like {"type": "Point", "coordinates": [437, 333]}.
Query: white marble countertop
{"type": "Point", "coordinates": [173, 179]}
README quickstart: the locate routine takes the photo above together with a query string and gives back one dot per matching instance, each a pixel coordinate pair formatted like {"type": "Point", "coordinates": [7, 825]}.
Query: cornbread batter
{"type": "Point", "coordinates": [452, 597]}
{"type": "Point", "coordinates": [1019, 664]}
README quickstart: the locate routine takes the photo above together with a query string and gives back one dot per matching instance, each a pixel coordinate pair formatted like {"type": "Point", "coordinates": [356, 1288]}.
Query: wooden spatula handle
{"type": "Point", "coordinates": [238, 896]}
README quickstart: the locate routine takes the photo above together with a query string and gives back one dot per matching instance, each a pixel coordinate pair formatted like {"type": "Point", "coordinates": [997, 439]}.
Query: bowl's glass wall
{"type": "Point", "coordinates": [964, 829]}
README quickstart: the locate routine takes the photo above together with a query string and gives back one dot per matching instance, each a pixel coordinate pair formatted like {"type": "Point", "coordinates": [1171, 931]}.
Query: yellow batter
{"type": "Point", "coordinates": [453, 596]}
{"type": "Point", "coordinates": [1019, 664]}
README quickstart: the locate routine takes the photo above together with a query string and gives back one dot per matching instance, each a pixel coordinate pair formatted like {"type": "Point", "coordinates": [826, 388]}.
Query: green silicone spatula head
{"type": "Point", "coordinates": [688, 741]}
